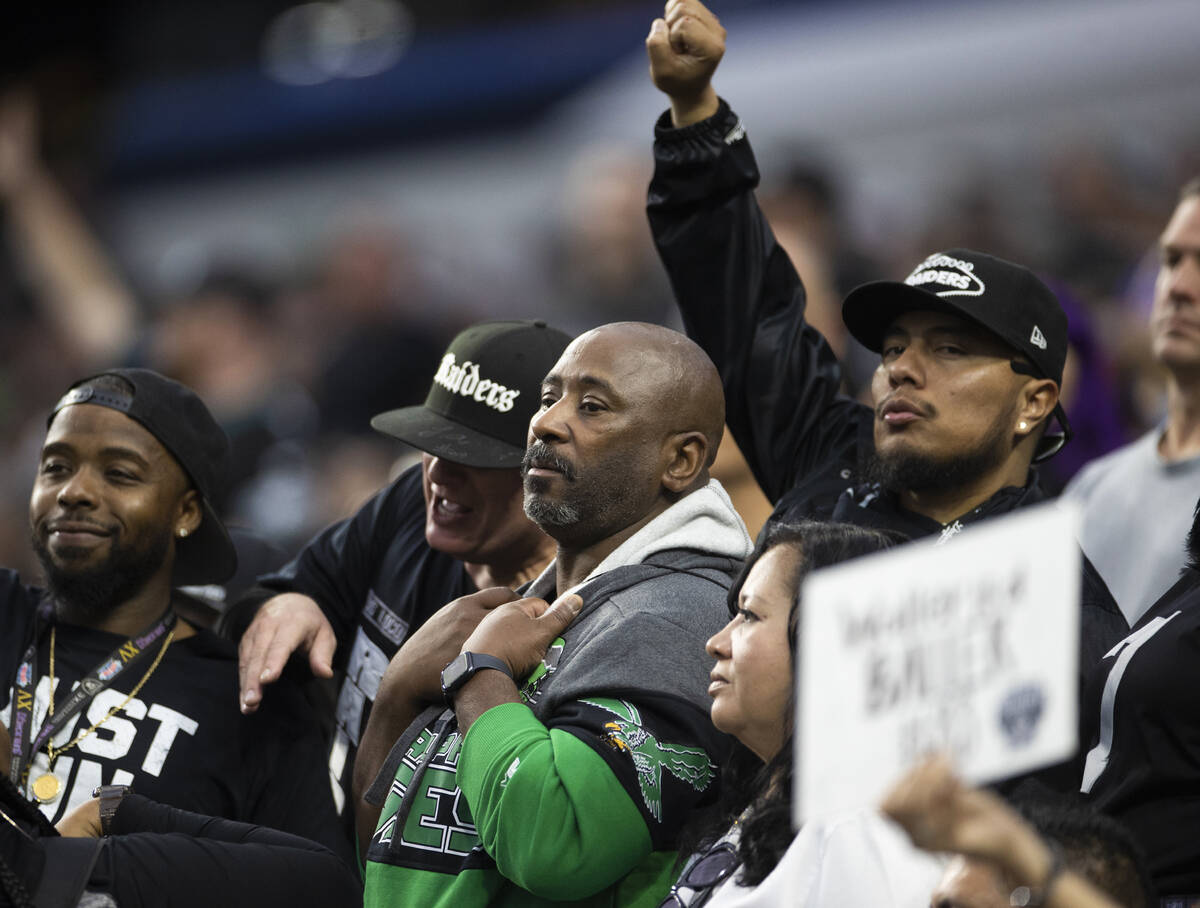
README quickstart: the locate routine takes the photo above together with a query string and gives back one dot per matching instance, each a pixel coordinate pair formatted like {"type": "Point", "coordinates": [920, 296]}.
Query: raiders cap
{"type": "Point", "coordinates": [1006, 299]}
{"type": "Point", "coordinates": [485, 391]}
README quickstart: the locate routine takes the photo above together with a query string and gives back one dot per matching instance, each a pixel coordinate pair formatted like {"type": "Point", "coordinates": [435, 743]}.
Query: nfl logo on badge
{"type": "Point", "coordinates": [110, 670]}
{"type": "Point", "coordinates": [24, 673]}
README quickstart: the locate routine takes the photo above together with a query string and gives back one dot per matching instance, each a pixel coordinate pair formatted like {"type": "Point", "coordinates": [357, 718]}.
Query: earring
{"type": "Point", "coordinates": [1022, 425]}
{"type": "Point", "coordinates": [182, 533]}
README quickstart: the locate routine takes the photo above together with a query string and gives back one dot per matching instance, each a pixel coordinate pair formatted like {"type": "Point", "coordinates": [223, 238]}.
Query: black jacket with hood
{"type": "Point", "coordinates": [743, 302]}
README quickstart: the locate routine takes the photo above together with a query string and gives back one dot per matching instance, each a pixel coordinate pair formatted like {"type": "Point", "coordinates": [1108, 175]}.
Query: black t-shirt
{"type": "Point", "coordinates": [377, 580]}
{"type": "Point", "coordinates": [1145, 769]}
{"type": "Point", "coordinates": [181, 740]}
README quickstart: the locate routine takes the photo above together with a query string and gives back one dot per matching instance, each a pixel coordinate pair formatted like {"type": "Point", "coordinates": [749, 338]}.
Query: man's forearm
{"type": "Point", "coordinates": [78, 286]}
{"type": "Point", "coordinates": [549, 810]}
{"type": "Point", "coordinates": [394, 710]}
{"type": "Point", "coordinates": [481, 693]}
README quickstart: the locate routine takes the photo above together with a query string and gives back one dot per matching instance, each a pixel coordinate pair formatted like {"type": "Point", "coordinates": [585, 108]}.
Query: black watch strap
{"type": "Point", "coordinates": [110, 797]}
{"type": "Point", "coordinates": [464, 667]}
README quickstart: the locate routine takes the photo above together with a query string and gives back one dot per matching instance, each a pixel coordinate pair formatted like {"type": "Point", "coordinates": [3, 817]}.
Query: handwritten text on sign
{"type": "Point", "coordinates": [968, 647]}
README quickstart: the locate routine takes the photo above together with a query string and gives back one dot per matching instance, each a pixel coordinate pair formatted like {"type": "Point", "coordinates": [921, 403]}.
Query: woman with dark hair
{"type": "Point", "coordinates": [747, 852]}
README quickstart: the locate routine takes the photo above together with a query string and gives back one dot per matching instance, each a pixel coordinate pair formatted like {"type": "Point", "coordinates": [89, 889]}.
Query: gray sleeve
{"type": "Point", "coordinates": [650, 637]}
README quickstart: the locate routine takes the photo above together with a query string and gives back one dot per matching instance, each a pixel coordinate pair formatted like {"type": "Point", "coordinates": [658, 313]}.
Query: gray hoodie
{"type": "Point", "coordinates": [648, 608]}
{"type": "Point", "coordinates": [629, 675]}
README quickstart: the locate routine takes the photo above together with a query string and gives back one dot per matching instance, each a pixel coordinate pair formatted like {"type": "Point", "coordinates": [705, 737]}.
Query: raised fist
{"type": "Point", "coordinates": [685, 47]}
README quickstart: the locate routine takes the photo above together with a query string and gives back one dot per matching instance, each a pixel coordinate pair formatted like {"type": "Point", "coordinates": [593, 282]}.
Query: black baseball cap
{"type": "Point", "coordinates": [1005, 298]}
{"type": "Point", "coordinates": [485, 391]}
{"type": "Point", "coordinates": [175, 415]}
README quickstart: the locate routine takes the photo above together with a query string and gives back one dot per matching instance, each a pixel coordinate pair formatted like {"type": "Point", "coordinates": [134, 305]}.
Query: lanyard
{"type": "Point", "coordinates": [125, 656]}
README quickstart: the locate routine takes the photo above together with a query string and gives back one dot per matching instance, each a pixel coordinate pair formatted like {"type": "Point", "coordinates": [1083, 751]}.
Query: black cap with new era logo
{"type": "Point", "coordinates": [1006, 299]}
{"type": "Point", "coordinates": [485, 391]}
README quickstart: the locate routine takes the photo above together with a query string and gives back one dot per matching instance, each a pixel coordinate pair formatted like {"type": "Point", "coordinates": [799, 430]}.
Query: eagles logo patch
{"type": "Point", "coordinates": [627, 734]}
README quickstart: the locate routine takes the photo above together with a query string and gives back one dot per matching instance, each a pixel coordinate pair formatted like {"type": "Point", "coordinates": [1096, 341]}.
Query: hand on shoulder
{"type": "Point", "coordinates": [284, 624]}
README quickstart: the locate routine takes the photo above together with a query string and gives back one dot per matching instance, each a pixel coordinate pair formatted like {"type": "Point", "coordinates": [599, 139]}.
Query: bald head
{"type": "Point", "coordinates": [667, 372]}
{"type": "Point", "coordinates": [631, 417]}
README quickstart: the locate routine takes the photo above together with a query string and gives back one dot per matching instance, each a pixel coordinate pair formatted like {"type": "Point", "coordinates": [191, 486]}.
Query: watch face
{"type": "Point", "coordinates": [455, 674]}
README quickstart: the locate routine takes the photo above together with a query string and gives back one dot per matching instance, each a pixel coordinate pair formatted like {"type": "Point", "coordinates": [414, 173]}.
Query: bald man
{"type": "Point", "coordinates": [577, 739]}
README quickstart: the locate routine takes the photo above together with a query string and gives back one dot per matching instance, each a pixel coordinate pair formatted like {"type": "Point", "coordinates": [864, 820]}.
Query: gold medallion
{"type": "Point", "coordinates": [45, 787]}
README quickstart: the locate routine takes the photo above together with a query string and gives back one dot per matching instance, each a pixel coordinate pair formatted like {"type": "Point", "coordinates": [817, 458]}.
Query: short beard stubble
{"type": "Point", "coordinates": [914, 471]}
{"type": "Point", "coordinates": [546, 514]}
{"type": "Point", "coordinates": [593, 504]}
{"type": "Point", "coordinates": [91, 594]}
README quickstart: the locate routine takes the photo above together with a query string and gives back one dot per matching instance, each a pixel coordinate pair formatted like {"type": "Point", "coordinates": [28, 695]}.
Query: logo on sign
{"type": "Point", "coordinates": [1021, 712]}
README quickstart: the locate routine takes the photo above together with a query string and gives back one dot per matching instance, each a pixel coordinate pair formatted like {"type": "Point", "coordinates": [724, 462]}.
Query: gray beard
{"type": "Point", "coordinates": [548, 514]}
{"type": "Point", "coordinates": [544, 513]}
{"type": "Point", "coordinates": [591, 507]}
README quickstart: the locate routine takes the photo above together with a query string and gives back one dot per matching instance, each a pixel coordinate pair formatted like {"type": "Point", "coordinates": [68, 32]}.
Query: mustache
{"type": "Point", "coordinates": [540, 454]}
{"type": "Point", "coordinates": [923, 408]}
{"type": "Point", "coordinates": [73, 522]}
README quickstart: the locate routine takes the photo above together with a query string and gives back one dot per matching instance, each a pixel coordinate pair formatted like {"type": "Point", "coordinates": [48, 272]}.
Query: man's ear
{"type": "Point", "coordinates": [687, 461]}
{"type": "Point", "coordinates": [1038, 399]}
{"type": "Point", "coordinates": [189, 515]}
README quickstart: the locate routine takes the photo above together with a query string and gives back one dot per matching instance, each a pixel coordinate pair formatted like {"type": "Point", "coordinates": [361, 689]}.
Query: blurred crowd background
{"type": "Point", "coordinates": [293, 207]}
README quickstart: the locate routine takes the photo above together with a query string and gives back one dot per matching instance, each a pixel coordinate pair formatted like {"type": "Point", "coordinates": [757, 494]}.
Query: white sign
{"type": "Point", "coordinates": [966, 645]}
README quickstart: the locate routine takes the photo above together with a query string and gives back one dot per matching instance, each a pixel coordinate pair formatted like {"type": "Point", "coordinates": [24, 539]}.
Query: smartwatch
{"type": "Point", "coordinates": [110, 797]}
{"type": "Point", "coordinates": [463, 668]}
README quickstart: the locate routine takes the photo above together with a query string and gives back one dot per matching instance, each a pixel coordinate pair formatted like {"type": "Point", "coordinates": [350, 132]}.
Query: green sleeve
{"type": "Point", "coordinates": [548, 809]}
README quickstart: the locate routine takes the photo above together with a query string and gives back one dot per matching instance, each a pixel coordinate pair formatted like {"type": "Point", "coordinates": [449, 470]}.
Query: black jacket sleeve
{"type": "Point", "coordinates": [743, 302]}
{"type": "Point", "coordinates": [160, 855]}
{"type": "Point", "coordinates": [287, 773]}
{"type": "Point", "coordinates": [1103, 625]}
{"type": "Point", "coordinates": [336, 567]}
